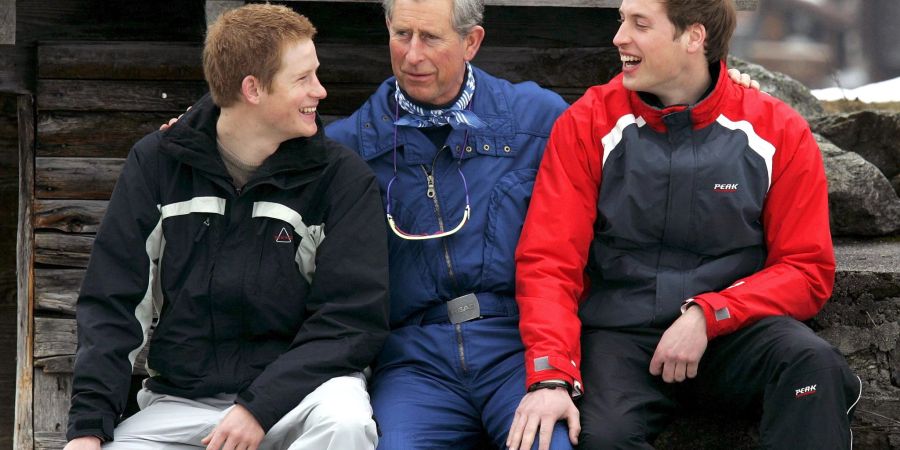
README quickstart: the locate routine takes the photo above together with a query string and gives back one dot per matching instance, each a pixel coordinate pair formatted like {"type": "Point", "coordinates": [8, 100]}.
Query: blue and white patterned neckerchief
{"type": "Point", "coordinates": [457, 115]}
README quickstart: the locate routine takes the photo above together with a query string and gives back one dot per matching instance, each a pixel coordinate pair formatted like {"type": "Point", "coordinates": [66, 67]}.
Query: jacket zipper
{"type": "Point", "coordinates": [432, 194]}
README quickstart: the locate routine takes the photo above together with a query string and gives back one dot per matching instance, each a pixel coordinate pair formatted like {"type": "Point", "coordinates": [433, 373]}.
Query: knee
{"type": "Point", "coordinates": [812, 354]}
{"type": "Point", "coordinates": [345, 422]}
{"type": "Point", "coordinates": [612, 434]}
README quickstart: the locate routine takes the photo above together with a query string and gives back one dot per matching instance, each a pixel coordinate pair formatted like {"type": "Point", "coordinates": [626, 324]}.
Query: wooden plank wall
{"type": "Point", "coordinates": [94, 99]}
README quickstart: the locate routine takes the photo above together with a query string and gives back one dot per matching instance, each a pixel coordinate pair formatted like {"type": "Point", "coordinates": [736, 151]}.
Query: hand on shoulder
{"type": "Point", "coordinates": [743, 79]}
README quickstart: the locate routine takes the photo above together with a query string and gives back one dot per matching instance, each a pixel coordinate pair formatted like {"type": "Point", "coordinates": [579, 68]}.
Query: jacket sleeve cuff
{"type": "Point", "coordinates": [265, 419]}
{"type": "Point", "coordinates": [95, 425]}
{"type": "Point", "coordinates": [554, 368]}
{"type": "Point", "coordinates": [715, 309]}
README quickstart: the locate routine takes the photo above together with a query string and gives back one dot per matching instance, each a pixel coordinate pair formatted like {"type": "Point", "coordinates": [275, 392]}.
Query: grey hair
{"type": "Point", "coordinates": [466, 14]}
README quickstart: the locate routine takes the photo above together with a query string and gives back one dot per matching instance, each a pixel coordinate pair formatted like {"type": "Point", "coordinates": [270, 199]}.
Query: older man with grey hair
{"type": "Point", "coordinates": [455, 151]}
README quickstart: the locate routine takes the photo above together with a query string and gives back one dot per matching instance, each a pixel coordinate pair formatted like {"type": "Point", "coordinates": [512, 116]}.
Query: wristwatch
{"type": "Point", "coordinates": [550, 384]}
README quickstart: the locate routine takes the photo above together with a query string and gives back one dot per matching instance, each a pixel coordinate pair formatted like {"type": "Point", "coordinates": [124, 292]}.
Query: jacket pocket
{"type": "Point", "coordinates": [280, 288]}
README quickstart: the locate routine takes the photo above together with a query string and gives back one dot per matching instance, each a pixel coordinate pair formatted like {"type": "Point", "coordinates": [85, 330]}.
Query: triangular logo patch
{"type": "Point", "coordinates": [284, 236]}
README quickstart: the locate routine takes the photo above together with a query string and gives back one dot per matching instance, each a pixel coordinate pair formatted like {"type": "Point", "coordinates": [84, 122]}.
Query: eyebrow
{"type": "Point", "coordinates": [635, 16]}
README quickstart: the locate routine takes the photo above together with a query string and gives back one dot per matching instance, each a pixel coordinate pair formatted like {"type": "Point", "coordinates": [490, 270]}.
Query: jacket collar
{"type": "Point", "coordinates": [701, 113]}
{"type": "Point", "coordinates": [376, 117]}
{"type": "Point", "coordinates": [192, 140]}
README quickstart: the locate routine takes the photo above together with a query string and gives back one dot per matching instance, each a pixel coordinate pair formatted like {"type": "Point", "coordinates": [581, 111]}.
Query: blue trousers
{"type": "Point", "coordinates": [445, 386]}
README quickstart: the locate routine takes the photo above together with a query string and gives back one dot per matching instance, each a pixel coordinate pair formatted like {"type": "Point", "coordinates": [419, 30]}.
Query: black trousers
{"type": "Point", "coordinates": [801, 383]}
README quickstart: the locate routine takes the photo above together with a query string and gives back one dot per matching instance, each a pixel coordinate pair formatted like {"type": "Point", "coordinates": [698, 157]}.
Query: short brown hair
{"type": "Point", "coordinates": [717, 16]}
{"type": "Point", "coordinates": [249, 41]}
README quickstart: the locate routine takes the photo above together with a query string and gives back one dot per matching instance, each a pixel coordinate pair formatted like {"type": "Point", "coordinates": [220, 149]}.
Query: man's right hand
{"type": "Point", "coordinates": [83, 443]}
{"type": "Point", "coordinates": [541, 409]}
{"type": "Point", "coordinates": [172, 121]}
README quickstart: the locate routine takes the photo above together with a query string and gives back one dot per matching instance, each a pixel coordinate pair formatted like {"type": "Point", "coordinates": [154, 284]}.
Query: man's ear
{"type": "Point", "coordinates": [695, 38]}
{"type": "Point", "coordinates": [473, 41]}
{"type": "Point", "coordinates": [251, 89]}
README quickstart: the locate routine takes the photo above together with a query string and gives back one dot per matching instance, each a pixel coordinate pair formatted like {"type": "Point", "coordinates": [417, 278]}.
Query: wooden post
{"type": "Point", "coordinates": [23, 434]}
{"type": "Point", "coordinates": [7, 22]}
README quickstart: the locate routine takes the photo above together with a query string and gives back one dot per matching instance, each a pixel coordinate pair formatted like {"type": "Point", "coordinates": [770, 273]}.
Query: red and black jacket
{"type": "Point", "coordinates": [723, 203]}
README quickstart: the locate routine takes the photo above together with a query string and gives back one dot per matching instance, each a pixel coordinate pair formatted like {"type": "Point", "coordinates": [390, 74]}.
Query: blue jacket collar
{"type": "Point", "coordinates": [490, 102]}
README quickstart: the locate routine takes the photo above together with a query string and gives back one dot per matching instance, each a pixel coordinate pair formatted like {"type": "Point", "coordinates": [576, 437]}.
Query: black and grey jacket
{"type": "Point", "coordinates": [266, 293]}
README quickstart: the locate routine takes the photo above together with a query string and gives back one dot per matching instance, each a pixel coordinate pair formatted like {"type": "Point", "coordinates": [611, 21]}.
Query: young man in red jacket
{"type": "Point", "coordinates": [677, 235]}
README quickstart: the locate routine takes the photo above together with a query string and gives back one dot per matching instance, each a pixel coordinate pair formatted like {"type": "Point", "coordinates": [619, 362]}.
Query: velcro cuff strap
{"type": "Point", "coordinates": [557, 363]}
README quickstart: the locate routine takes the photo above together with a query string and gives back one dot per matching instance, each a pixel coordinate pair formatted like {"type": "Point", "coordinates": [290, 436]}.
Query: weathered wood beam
{"type": "Point", "coordinates": [54, 337]}
{"type": "Point", "coordinates": [741, 4]}
{"type": "Point", "coordinates": [120, 60]}
{"type": "Point", "coordinates": [76, 178]}
{"type": "Point", "coordinates": [94, 134]}
{"type": "Point", "coordinates": [103, 20]}
{"type": "Point", "coordinates": [70, 216]}
{"type": "Point", "coordinates": [100, 134]}
{"type": "Point", "coordinates": [559, 66]}
{"type": "Point", "coordinates": [52, 393]}
{"type": "Point", "coordinates": [56, 290]}
{"type": "Point", "coordinates": [56, 364]}
{"type": "Point", "coordinates": [564, 70]}
{"type": "Point", "coordinates": [7, 22]}
{"type": "Point", "coordinates": [89, 95]}
{"type": "Point", "coordinates": [23, 432]}
{"type": "Point", "coordinates": [49, 440]}
{"type": "Point", "coordinates": [64, 250]}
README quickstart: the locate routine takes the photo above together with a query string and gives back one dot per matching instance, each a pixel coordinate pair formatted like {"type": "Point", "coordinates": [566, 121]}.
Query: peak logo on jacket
{"type": "Point", "coordinates": [804, 391]}
{"type": "Point", "coordinates": [727, 187]}
{"type": "Point", "coordinates": [283, 237]}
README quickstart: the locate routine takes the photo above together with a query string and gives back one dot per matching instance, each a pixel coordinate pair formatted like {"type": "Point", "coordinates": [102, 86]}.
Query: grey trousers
{"type": "Point", "coordinates": [337, 415]}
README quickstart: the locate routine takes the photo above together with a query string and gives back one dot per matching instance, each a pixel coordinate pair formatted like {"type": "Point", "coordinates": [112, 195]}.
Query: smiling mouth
{"type": "Point", "coordinates": [310, 110]}
{"type": "Point", "coordinates": [630, 61]}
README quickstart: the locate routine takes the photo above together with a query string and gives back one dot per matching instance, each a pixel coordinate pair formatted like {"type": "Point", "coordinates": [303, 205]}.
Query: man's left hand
{"type": "Point", "coordinates": [238, 430]}
{"type": "Point", "coordinates": [678, 353]}
{"type": "Point", "coordinates": [537, 414]}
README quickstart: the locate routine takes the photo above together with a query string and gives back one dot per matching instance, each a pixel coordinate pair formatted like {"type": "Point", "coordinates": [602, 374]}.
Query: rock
{"type": "Point", "coordinates": [895, 183]}
{"type": "Point", "coordinates": [782, 87]}
{"type": "Point", "coordinates": [850, 340]}
{"type": "Point", "coordinates": [871, 134]}
{"type": "Point", "coordinates": [860, 198]}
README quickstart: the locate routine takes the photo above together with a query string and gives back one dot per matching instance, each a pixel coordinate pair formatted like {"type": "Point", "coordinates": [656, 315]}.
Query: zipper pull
{"type": "Point", "coordinates": [430, 179]}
